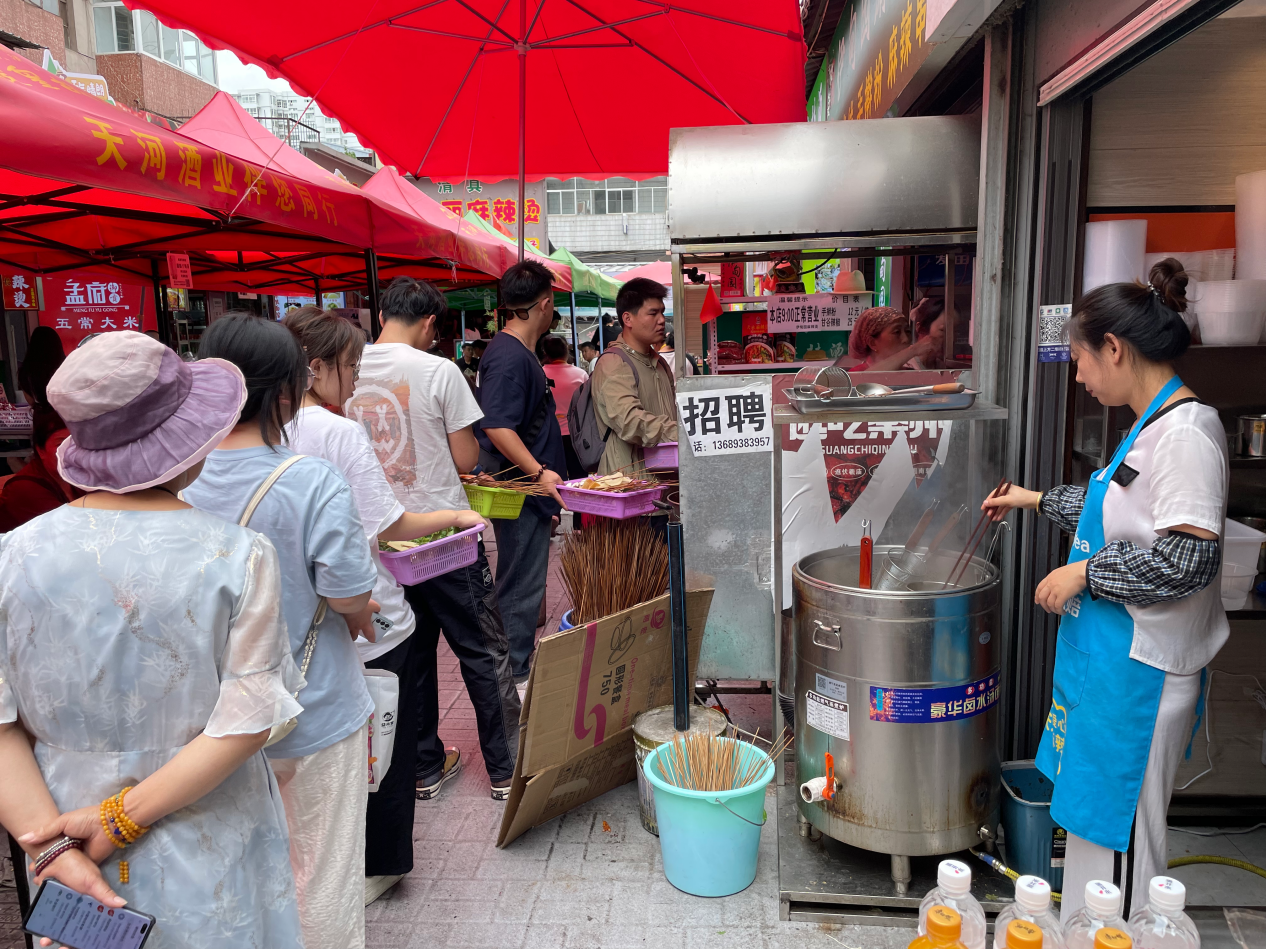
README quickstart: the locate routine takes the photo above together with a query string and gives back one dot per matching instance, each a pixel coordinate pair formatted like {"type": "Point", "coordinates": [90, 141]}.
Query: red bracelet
{"type": "Point", "coordinates": [44, 859]}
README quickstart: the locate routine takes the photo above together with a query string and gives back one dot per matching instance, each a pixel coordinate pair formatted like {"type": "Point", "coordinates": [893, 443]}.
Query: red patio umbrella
{"type": "Point", "coordinates": [440, 88]}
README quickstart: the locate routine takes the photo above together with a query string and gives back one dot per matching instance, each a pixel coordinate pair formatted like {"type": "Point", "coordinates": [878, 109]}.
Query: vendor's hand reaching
{"type": "Point", "coordinates": [1061, 585]}
{"type": "Point", "coordinates": [999, 506]}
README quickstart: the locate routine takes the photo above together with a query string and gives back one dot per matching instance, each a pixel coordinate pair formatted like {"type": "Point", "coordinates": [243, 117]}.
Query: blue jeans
{"type": "Point", "coordinates": [522, 565]}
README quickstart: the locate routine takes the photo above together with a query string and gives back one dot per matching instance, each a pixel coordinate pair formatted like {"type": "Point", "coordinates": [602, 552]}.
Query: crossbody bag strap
{"type": "Point", "coordinates": [309, 641]}
{"type": "Point", "coordinates": [264, 488]}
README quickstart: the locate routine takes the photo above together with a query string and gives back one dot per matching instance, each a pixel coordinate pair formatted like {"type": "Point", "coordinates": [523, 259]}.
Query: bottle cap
{"type": "Point", "coordinates": [954, 878]}
{"type": "Point", "coordinates": [1022, 934]}
{"type": "Point", "coordinates": [1033, 894]}
{"type": "Point", "coordinates": [1167, 895]}
{"type": "Point", "coordinates": [1109, 938]}
{"type": "Point", "coordinates": [944, 923]}
{"type": "Point", "coordinates": [1102, 898]}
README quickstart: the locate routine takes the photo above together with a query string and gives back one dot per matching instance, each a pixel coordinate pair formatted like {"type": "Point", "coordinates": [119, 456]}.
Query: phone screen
{"type": "Point", "coordinates": [80, 922]}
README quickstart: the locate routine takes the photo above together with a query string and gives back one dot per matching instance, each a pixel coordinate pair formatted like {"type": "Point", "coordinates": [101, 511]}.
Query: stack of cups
{"type": "Point", "coordinates": [1250, 237]}
{"type": "Point", "coordinates": [1232, 312]}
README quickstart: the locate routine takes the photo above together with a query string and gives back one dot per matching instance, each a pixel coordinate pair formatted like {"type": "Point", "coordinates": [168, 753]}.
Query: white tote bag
{"type": "Point", "coordinates": [384, 689]}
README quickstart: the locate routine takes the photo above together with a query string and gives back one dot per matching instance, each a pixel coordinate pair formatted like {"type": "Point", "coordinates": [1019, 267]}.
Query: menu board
{"type": "Point", "coordinates": [806, 312]}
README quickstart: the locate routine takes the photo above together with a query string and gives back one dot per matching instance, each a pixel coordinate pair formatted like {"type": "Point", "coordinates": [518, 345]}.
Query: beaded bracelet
{"type": "Point", "coordinates": [44, 859]}
{"type": "Point", "coordinates": [119, 828]}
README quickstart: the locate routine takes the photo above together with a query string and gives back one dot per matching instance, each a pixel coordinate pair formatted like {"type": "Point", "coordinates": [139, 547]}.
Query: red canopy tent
{"type": "Point", "coordinates": [85, 185]}
{"type": "Point", "coordinates": [699, 62]}
{"type": "Point", "coordinates": [661, 271]}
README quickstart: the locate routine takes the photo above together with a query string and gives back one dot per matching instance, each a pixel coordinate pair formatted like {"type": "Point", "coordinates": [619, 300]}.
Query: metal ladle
{"type": "Point", "coordinates": [872, 389]}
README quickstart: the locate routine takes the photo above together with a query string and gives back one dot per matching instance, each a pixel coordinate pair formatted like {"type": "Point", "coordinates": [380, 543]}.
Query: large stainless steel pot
{"type": "Point", "coordinates": [891, 683]}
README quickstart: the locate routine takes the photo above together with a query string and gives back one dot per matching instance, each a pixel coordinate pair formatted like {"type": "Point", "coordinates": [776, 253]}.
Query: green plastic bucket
{"type": "Point", "coordinates": [709, 840]}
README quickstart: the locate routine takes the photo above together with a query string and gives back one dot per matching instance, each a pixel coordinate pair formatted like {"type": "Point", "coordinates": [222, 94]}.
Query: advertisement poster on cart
{"type": "Point", "coordinates": [79, 304]}
{"type": "Point", "coordinates": [835, 475]}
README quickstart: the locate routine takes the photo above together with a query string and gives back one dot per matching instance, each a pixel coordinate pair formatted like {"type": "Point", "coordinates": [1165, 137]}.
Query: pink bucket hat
{"type": "Point", "coordinates": [138, 414]}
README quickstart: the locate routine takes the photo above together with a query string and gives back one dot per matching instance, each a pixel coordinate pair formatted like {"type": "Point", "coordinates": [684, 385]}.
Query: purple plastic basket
{"type": "Point", "coordinates": [430, 560]}
{"type": "Point", "coordinates": [662, 456]}
{"type": "Point", "coordinates": [609, 503]}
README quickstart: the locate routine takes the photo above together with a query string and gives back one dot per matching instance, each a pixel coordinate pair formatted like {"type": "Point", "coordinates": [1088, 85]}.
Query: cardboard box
{"type": "Point", "coordinates": [587, 684]}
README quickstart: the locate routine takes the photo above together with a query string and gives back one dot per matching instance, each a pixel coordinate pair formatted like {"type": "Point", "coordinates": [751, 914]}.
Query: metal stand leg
{"type": "Point", "coordinates": [682, 687]}
{"type": "Point", "coordinates": [901, 874]}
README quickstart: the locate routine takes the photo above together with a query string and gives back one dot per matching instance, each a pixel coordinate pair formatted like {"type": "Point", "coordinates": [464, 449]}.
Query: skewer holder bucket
{"type": "Point", "coordinates": [653, 728]}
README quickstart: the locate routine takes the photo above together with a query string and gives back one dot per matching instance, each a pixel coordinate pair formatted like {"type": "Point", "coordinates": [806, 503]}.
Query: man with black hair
{"type": "Point", "coordinates": [519, 435]}
{"type": "Point", "coordinates": [588, 354]}
{"type": "Point", "coordinates": [419, 413]}
{"type": "Point", "coordinates": [633, 390]}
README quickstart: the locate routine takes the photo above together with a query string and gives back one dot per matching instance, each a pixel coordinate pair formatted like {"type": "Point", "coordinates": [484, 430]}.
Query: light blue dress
{"type": "Point", "coordinates": [126, 634]}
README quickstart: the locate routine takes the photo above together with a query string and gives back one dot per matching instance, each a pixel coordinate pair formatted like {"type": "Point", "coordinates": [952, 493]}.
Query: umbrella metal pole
{"type": "Point", "coordinates": [371, 285]}
{"type": "Point", "coordinates": [522, 50]}
{"type": "Point", "coordinates": [575, 338]}
{"type": "Point", "coordinates": [677, 606]}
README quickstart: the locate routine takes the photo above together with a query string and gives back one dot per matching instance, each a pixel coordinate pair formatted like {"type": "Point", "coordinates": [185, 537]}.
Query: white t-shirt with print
{"type": "Point", "coordinates": [410, 402]}
{"type": "Point", "coordinates": [1183, 474]}
{"type": "Point", "coordinates": [340, 441]}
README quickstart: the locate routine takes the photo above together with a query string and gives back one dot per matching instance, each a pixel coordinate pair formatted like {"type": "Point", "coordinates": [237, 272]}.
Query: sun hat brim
{"type": "Point", "coordinates": [199, 424]}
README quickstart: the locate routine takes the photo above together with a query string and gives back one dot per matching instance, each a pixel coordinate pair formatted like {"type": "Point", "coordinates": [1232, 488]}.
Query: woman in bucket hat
{"type": "Point", "coordinates": [142, 648]}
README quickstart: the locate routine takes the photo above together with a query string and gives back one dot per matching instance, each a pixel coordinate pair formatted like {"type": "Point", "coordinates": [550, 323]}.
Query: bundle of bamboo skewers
{"type": "Point", "coordinates": [703, 762]}
{"type": "Point", "coordinates": [613, 565]}
{"type": "Point", "coordinates": [522, 485]}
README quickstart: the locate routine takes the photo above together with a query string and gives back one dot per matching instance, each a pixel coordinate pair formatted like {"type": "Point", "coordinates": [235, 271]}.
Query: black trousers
{"type": "Point", "coordinates": [463, 605]}
{"type": "Point", "coordinates": [389, 818]}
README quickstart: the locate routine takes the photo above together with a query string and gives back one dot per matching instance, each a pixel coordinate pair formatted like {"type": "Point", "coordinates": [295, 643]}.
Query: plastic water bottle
{"type": "Point", "coordinates": [1102, 911]}
{"type": "Point", "coordinates": [1162, 924]}
{"type": "Point", "coordinates": [944, 927]}
{"type": "Point", "coordinates": [1032, 905]}
{"type": "Point", "coordinates": [953, 890]}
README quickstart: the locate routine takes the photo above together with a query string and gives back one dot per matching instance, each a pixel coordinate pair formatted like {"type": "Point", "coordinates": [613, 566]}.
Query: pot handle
{"type": "Point", "coordinates": [820, 627]}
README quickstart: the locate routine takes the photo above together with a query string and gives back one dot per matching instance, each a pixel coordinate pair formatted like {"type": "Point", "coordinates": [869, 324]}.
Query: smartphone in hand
{"type": "Point", "coordinates": [77, 921]}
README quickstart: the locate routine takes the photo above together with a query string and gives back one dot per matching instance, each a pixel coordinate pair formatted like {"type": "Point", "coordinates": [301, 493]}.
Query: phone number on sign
{"type": "Point", "coordinates": [721, 444]}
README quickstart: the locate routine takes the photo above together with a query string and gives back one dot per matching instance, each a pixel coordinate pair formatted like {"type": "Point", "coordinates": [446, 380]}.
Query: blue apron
{"type": "Point", "coordinates": [1098, 733]}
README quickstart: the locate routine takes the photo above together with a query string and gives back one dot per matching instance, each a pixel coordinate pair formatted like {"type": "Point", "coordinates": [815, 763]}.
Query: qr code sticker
{"type": "Point", "coordinates": [1051, 330]}
{"type": "Point", "coordinates": [1052, 325]}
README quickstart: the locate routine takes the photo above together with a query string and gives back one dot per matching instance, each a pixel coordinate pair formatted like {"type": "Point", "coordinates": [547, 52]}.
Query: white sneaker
{"type": "Point", "coordinates": [377, 886]}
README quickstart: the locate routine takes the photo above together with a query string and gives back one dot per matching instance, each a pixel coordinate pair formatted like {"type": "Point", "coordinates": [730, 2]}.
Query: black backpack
{"type": "Point", "coordinates": [587, 437]}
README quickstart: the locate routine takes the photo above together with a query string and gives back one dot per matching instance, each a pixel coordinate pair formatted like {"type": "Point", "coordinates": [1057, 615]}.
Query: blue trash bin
{"type": "Point", "coordinates": [1034, 843]}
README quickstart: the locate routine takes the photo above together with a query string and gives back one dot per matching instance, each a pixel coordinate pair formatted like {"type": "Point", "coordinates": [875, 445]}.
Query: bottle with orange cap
{"type": "Point", "coordinates": [1112, 938]}
{"type": "Point", "coordinates": [944, 929]}
{"type": "Point", "coordinates": [1022, 934]}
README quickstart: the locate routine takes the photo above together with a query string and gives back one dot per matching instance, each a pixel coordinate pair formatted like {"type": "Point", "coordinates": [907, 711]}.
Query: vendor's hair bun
{"type": "Point", "coordinates": [1169, 281]}
{"type": "Point", "coordinates": [1143, 315]}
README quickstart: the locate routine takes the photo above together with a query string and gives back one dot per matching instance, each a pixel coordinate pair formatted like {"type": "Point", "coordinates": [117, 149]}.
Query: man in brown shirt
{"type": "Point", "coordinates": [639, 410]}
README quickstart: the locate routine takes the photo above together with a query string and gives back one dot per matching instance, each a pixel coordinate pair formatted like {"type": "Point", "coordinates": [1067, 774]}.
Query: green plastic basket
{"type": "Point", "coordinates": [495, 502]}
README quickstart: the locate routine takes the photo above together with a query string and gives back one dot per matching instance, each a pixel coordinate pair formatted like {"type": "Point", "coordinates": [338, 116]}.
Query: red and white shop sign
{"type": "Point", "coordinates": [180, 273]}
{"type": "Point", "coordinates": [79, 304]}
{"type": "Point", "coordinates": [19, 292]}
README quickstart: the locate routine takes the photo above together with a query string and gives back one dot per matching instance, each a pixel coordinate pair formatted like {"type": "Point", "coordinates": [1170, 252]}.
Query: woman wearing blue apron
{"type": "Point", "coordinates": [1140, 594]}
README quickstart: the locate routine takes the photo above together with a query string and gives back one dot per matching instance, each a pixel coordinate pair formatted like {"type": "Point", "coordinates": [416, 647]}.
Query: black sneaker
{"type": "Point", "coordinates": [452, 765]}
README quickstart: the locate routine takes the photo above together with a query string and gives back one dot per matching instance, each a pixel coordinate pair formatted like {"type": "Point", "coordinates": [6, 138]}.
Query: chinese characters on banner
{"type": "Point", "coordinates": [180, 273]}
{"type": "Point", "coordinates": [853, 450]}
{"type": "Point", "coordinates": [878, 46]}
{"type": "Point", "coordinates": [732, 280]}
{"type": "Point", "coordinates": [19, 292]}
{"type": "Point", "coordinates": [806, 312]}
{"type": "Point", "coordinates": [79, 304]}
{"type": "Point", "coordinates": [726, 421]}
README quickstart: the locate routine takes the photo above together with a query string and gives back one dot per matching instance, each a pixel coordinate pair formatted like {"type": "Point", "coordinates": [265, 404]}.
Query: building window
{"type": "Point", "coordinates": [120, 30]}
{"type": "Point", "coordinates": [612, 196]}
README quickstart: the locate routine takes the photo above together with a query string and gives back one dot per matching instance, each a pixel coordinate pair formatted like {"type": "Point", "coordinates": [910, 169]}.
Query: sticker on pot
{"type": "Point", "coordinates": [934, 705]}
{"type": "Point", "coordinates": [985, 637]}
{"type": "Point", "coordinates": [832, 688]}
{"type": "Point", "coordinates": [826, 715]}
